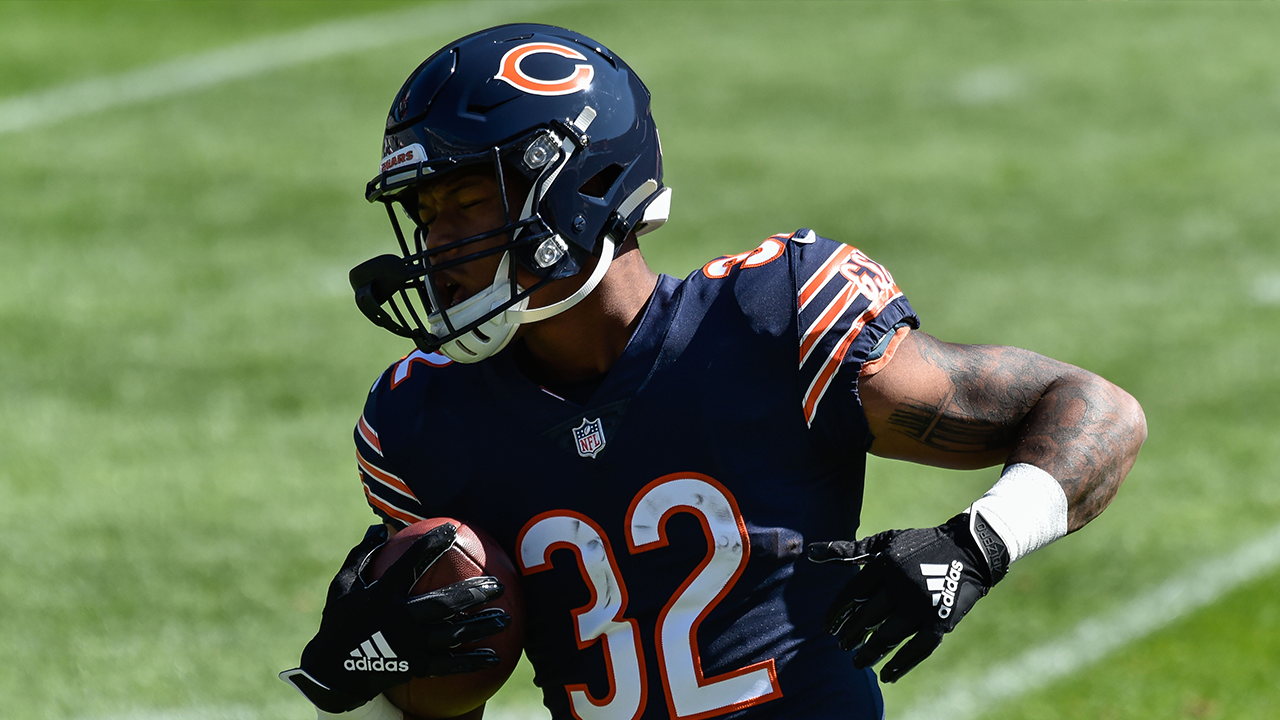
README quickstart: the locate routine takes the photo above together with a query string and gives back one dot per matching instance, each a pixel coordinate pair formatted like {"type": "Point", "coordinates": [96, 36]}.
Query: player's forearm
{"type": "Point", "coordinates": [1086, 433]}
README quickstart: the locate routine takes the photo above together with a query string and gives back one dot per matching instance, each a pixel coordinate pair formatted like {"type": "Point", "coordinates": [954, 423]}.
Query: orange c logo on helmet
{"type": "Point", "coordinates": [511, 73]}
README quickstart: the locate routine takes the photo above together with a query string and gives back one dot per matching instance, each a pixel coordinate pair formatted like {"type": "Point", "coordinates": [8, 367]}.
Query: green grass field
{"type": "Point", "coordinates": [181, 362]}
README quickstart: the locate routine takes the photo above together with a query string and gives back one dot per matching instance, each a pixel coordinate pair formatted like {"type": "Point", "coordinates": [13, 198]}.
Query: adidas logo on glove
{"type": "Point", "coordinates": [943, 581]}
{"type": "Point", "coordinates": [375, 655]}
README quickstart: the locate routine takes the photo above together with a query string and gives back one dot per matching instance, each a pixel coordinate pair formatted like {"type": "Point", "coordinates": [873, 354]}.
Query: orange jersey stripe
{"type": "Point", "coordinates": [833, 312]}
{"type": "Point", "coordinates": [818, 387]}
{"type": "Point", "coordinates": [369, 435]}
{"type": "Point", "coordinates": [819, 279]}
{"type": "Point", "coordinates": [403, 516]}
{"type": "Point", "coordinates": [385, 477]}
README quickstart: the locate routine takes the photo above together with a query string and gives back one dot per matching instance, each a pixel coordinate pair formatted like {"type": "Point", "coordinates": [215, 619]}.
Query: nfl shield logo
{"type": "Point", "coordinates": [589, 437]}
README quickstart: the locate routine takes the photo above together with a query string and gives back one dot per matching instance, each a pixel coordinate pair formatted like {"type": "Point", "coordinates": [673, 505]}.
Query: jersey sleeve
{"type": "Point", "coordinates": [848, 308]}
{"type": "Point", "coordinates": [387, 493]}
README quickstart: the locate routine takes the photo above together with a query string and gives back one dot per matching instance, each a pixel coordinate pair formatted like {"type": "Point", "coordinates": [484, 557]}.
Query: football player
{"type": "Point", "coordinates": [681, 473]}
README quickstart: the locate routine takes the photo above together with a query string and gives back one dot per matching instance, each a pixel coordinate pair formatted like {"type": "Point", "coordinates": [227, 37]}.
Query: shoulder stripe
{"type": "Point", "coordinates": [819, 279]}
{"type": "Point", "coordinates": [369, 435]}
{"type": "Point", "coordinates": [403, 516]}
{"type": "Point", "coordinates": [818, 387]}
{"type": "Point", "coordinates": [384, 478]}
{"type": "Point", "coordinates": [830, 315]}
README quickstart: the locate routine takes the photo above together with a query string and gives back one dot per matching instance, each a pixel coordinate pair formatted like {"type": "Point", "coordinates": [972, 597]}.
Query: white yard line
{"type": "Point", "coordinates": [434, 24]}
{"type": "Point", "coordinates": [971, 697]}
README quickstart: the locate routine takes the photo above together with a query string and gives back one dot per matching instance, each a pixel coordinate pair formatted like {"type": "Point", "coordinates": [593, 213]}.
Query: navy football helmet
{"type": "Point", "coordinates": [556, 108]}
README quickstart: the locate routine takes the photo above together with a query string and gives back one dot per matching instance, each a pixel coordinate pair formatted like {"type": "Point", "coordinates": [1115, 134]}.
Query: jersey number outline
{"type": "Point", "coordinates": [771, 249]}
{"type": "Point", "coordinates": [690, 695]}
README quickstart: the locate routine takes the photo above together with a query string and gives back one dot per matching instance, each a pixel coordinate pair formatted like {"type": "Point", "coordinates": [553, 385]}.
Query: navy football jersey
{"type": "Point", "coordinates": [658, 526]}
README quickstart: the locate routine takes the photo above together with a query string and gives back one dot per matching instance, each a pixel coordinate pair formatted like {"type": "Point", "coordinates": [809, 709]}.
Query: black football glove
{"type": "Point", "coordinates": [376, 636]}
{"type": "Point", "coordinates": [917, 582]}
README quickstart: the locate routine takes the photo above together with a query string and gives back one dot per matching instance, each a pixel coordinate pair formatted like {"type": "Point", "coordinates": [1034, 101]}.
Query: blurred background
{"type": "Point", "coordinates": [181, 362]}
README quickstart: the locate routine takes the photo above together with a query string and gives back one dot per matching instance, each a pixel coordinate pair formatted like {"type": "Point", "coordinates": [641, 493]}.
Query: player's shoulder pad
{"type": "Point", "coordinates": [787, 256]}
{"type": "Point", "coordinates": [730, 267]}
{"type": "Point", "coordinates": [760, 280]}
{"type": "Point", "coordinates": [846, 305]}
{"type": "Point", "coordinates": [402, 381]}
{"type": "Point", "coordinates": [822, 278]}
{"type": "Point", "coordinates": [397, 391]}
{"type": "Point", "coordinates": [389, 407]}
{"type": "Point", "coordinates": [414, 369]}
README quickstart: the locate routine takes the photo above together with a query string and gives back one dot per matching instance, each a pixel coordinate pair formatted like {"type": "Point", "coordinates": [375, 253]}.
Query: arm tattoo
{"type": "Point", "coordinates": [985, 395]}
{"type": "Point", "coordinates": [1076, 426]}
{"type": "Point", "coordinates": [1086, 433]}
{"type": "Point", "coordinates": [941, 427]}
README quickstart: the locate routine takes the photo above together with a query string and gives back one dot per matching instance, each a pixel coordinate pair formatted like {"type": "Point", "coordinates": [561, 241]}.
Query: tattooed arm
{"type": "Point", "coordinates": [973, 406]}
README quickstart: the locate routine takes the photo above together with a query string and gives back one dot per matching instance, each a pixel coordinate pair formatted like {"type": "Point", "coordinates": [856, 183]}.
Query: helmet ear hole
{"type": "Point", "coordinates": [599, 185]}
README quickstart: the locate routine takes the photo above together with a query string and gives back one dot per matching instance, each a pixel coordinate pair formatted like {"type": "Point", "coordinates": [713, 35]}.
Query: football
{"type": "Point", "coordinates": [473, 553]}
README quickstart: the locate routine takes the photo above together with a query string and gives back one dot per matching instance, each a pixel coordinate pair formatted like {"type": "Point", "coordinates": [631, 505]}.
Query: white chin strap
{"type": "Point", "coordinates": [654, 216]}
{"type": "Point", "coordinates": [518, 314]}
{"type": "Point", "coordinates": [494, 334]}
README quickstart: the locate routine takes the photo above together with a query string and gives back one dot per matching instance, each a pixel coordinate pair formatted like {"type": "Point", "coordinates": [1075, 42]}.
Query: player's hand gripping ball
{"type": "Point", "coordinates": [406, 611]}
{"type": "Point", "coordinates": [473, 554]}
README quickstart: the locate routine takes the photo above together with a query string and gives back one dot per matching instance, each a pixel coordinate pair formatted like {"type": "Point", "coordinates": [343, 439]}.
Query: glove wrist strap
{"type": "Point", "coordinates": [989, 542]}
{"type": "Point", "coordinates": [1023, 512]}
{"type": "Point", "coordinates": [329, 702]}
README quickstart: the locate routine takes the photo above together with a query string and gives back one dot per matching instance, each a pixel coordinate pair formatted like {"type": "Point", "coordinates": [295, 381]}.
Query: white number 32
{"type": "Point", "coordinates": [690, 695]}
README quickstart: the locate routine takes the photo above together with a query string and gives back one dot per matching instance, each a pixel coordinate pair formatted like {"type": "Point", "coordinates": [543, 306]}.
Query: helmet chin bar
{"type": "Point", "coordinates": [493, 332]}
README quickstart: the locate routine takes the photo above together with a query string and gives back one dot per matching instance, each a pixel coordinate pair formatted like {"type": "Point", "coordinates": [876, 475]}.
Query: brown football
{"type": "Point", "coordinates": [474, 553]}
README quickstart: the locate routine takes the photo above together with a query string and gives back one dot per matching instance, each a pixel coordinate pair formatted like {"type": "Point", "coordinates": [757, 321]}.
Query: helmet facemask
{"type": "Point", "coordinates": [519, 99]}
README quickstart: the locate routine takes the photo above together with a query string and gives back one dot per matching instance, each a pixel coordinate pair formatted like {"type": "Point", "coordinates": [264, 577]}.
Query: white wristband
{"type": "Point", "coordinates": [1027, 509]}
{"type": "Point", "coordinates": [379, 708]}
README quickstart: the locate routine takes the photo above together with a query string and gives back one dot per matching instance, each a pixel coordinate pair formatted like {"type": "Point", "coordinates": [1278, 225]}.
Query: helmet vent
{"type": "Point", "coordinates": [600, 183]}
{"type": "Point", "coordinates": [475, 109]}
{"type": "Point", "coordinates": [420, 90]}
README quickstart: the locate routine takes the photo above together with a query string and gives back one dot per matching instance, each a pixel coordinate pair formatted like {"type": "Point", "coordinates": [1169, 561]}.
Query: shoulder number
{"type": "Point", "coordinates": [404, 368]}
{"type": "Point", "coordinates": [771, 249]}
